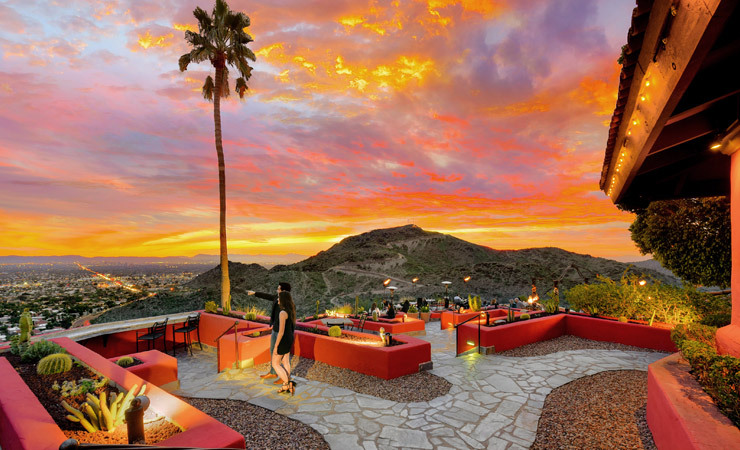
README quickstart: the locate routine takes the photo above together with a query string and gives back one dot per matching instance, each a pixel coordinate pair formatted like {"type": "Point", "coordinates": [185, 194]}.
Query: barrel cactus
{"type": "Point", "coordinates": [524, 316]}
{"type": "Point", "coordinates": [54, 363]}
{"type": "Point", "coordinates": [125, 361]}
{"type": "Point", "coordinates": [335, 331]}
{"type": "Point", "coordinates": [622, 319]}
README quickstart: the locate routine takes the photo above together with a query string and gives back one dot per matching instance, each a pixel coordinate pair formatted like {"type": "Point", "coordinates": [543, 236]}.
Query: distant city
{"type": "Point", "coordinates": [60, 295]}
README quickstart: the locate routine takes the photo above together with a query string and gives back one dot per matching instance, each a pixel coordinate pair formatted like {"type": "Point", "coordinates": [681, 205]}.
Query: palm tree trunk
{"type": "Point", "coordinates": [225, 283]}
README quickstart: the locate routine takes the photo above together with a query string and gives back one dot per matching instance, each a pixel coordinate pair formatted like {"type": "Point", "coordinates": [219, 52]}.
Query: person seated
{"type": "Point", "coordinates": [374, 309]}
{"type": "Point", "coordinates": [420, 303]}
{"type": "Point", "coordinates": [406, 305]}
{"type": "Point", "coordinates": [391, 314]}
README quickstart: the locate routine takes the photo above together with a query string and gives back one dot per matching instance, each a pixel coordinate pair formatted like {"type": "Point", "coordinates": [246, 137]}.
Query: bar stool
{"type": "Point", "coordinates": [191, 324]}
{"type": "Point", "coordinates": [156, 331]}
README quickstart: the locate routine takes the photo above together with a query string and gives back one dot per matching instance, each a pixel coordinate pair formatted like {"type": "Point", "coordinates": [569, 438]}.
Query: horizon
{"type": "Point", "coordinates": [485, 121]}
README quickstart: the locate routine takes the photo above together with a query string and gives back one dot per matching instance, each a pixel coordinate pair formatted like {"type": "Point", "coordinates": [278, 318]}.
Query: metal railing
{"type": "Point", "coordinates": [236, 344]}
{"type": "Point", "coordinates": [457, 335]}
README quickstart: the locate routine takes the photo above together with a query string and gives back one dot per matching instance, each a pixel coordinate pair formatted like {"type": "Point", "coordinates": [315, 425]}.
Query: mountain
{"type": "Point", "coordinates": [654, 265]}
{"type": "Point", "coordinates": [358, 265]}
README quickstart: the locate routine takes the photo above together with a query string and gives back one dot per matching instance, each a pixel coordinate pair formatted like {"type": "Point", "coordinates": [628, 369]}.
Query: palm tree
{"type": "Point", "coordinates": [221, 39]}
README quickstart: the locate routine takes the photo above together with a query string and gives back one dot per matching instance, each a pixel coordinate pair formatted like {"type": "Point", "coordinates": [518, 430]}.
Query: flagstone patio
{"type": "Point", "coordinates": [495, 401]}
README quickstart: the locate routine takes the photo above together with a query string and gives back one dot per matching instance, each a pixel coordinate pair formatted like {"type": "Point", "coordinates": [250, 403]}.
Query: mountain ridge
{"type": "Point", "coordinates": [357, 266]}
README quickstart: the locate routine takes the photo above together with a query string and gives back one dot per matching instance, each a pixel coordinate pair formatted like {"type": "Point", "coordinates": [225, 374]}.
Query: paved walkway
{"type": "Point", "coordinates": [495, 402]}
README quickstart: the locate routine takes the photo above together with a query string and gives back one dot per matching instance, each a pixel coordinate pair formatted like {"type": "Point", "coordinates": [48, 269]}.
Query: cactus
{"type": "Point", "coordinates": [524, 316]}
{"type": "Point", "coordinates": [375, 316]}
{"type": "Point", "coordinates": [412, 309]}
{"type": "Point", "coordinates": [103, 413]}
{"type": "Point", "coordinates": [317, 309]}
{"type": "Point", "coordinates": [125, 361]}
{"type": "Point", "coordinates": [622, 319]}
{"type": "Point", "coordinates": [510, 315]}
{"type": "Point", "coordinates": [652, 318]}
{"type": "Point", "coordinates": [40, 349]}
{"type": "Point", "coordinates": [335, 331]}
{"type": "Point", "coordinates": [54, 363]}
{"type": "Point", "coordinates": [19, 344]}
{"type": "Point", "coordinates": [256, 334]}
{"type": "Point", "coordinates": [425, 309]}
{"type": "Point", "coordinates": [211, 307]}
{"type": "Point", "coordinates": [474, 303]}
{"type": "Point", "coordinates": [250, 316]}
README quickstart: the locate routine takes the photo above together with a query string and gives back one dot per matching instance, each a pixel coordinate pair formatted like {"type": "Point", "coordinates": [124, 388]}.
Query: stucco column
{"type": "Point", "coordinates": [728, 338]}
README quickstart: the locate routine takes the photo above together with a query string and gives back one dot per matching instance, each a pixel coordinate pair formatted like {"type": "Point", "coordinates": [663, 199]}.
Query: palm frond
{"type": "Point", "coordinates": [184, 61]}
{"type": "Point", "coordinates": [208, 88]}
{"type": "Point", "coordinates": [241, 87]}
{"type": "Point", "coordinates": [198, 55]}
{"type": "Point", "coordinates": [204, 20]}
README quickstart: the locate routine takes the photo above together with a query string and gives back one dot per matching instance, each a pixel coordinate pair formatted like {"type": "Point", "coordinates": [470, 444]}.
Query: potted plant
{"type": "Point", "coordinates": [413, 312]}
{"type": "Point", "coordinates": [424, 314]}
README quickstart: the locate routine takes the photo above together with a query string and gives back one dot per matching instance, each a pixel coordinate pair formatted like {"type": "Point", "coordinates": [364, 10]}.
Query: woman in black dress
{"type": "Point", "coordinates": [284, 341]}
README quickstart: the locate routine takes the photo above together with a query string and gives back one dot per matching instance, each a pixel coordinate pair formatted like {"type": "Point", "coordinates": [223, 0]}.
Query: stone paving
{"type": "Point", "coordinates": [495, 402]}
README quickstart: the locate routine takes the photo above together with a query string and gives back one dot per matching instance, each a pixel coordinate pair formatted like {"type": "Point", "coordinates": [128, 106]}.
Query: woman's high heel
{"type": "Point", "coordinates": [285, 388]}
{"type": "Point", "coordinates": [292, 387]}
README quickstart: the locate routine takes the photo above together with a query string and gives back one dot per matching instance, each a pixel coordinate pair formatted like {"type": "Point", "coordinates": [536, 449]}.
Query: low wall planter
{"type": "Point", "coordinates": [156, 368]}
{"type": "Point", "coordinates": [516, 334]}
{"type": "Point", "coordinates": [680, 414]}
{"type": "Point", "coordinates": [201, 430]}
{"type": "Point", "coordinates": [382, 362]}
{"type": "Point", "coordinates": [24, 422]}
{"type": "Point", "coordinates": [249, 351]}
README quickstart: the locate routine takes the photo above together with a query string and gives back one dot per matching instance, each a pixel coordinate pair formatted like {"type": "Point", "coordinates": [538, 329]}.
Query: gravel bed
{"type": "Point", "coordinates": [262, 428]}
{"type": "Point", "coordinates": [602, 411]}
{"type": "Point", "coordinates": [417, 387]}
{"type": "Point", "coordinates": [568, 342]}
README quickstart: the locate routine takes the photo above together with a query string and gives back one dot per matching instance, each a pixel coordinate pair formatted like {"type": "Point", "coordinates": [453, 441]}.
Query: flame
{"type": "Point", "coordinates": [387, 282]}
{"type": "Point", "coordinates": [466, 279]}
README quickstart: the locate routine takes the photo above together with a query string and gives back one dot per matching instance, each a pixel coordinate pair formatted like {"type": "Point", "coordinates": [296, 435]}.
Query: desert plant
{"type": "Point", "coordinates": [552, 302]}
{"type": "Point", "coordinates": [375, 316]}
{"type": "Point", "coordinates": [256, 334]}
{"type": "Point", "coordinates": [85, 385]}
{"type": "Point", "coordinates": [335, 331]}
{"type": "Point", "coordinates": [622, 319]}
{"type": "Point", "coordinates": [524, 316]}
{"type": "Point", "coordinates": [19, 343]}
{"type": "Point", "coordinates": [412, 309]}
{"type": "Point", "coordinates": [474, 303]}
{"type": "Point", "coordinates": [425, 309]}
{"type": "Point", "coordinates": [125, 361]}
{"type": "Point", "coordinates": [54, 363]}
{"type": "Point", "coordinates": [39, 349]}
{"type": "Point", "coordinates": [344, 309]}
{"type": "Point", "coordinates": [510, 315]}
{"type": "Point", "coordinates": [211, 307]}
{"type": "Point", "coordinates": [103, 413]}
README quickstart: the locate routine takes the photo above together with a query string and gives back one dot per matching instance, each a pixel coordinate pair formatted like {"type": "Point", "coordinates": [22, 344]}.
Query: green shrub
{"type": "Point", "coordinates": [125, 361]}
{"type": "Point", "coordinates": [718, 320]}
{"type": "Point", "coordinates": [335, 331]}
{"type": "Point", "coordinates": [54, 363]}
{"type": "Point", "coordinates": [412, 309]}
{"type": "Point", "coordinates": [40, 349]}
{"type": "Point", "coordinates": [718, 375]}
{"type": "Point", "coordinates": [211, 307]}
{"type": "Point", "coordinates": [524, 316]}
{"type": "Point", "coordinates": [668, 304]}
{"type": "Point", "coordinates": [345, 309]}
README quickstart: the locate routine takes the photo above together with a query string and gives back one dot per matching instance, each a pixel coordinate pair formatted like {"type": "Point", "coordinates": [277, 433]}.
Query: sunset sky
{"type": "Point", "coordinates": [483, 119]}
